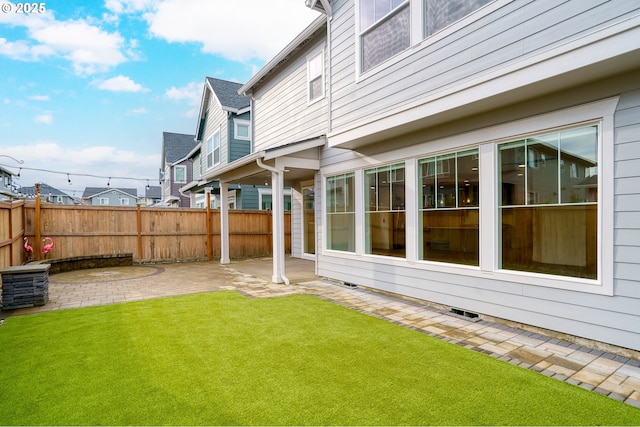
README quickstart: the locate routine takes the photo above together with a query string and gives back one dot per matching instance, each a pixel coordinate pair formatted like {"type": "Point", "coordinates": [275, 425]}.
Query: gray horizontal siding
{"type": "Point", "coordinates": [613, 319]}
{"type": "Point", "coordinates": [281, 113]}
{"type": "Point", "coordinates": [512, 33]}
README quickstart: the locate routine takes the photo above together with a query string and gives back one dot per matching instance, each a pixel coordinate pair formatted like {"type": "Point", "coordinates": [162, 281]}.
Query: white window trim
{"type": "Point", "coordinates": [124, 201]}
{"type": "Point", "coordinates": [322, 77]}
{"type": "Point", "coordinates": [213, 162]}
{"type": "Point", "coordinates": [175, 174]}
{"type": "Point", "coordinates": [487, 140]}
{"type": "Point", "coordinates": [417, 34]}
{"type": "Point", "coordinates": [103, 201]}
{"type": "Point", "coordinates": [269, 192]}
{"type": "Point", "coordinates": [241, 122]}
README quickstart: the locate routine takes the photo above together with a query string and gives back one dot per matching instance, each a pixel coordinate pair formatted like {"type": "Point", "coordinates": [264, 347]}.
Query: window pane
{"type": "Point", "coordinates": [446, 181]}
{"type": "Point", "coordinates": [451, 235]}
{"type": "Point", "coordinates": [385, 215]}
{"type": "Point", "coordinates": [243, 131]}
{"type": "Point", "coordinates": [389, 38]}
{"type": "Point", "coordinates": [579, 153]}
{"type": "Point", "coordinates": [315, 88]}
{"type": "Point", "coordinates": [341, 212]}
{"type": "Point", "coordinates": [468, 179]}
{"type": "Point", "coordinates": [560, 240]}
{"type": "Point", "coordinates": [512, 171]}
{"type": "Point", "coordinates": [441, 13]}
{"type": "Point", "coordinates": [428, 183]}
{"type": "Point", "coordinates": [542, 169]}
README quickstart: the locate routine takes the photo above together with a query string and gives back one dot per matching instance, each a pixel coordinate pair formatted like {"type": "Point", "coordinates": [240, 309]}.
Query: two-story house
{"type": "Point", "coordinates": [6, 184]}
{"type": "Point", "coordinates": [109, 196]}
{"type": "Point", "coordinates": [481, 155]}
{"type": "Point", "coordinates": [224, 135]}
{"type": "Point", "coordinates": [176, 168]}
{"type": "Point", "coordinates": [48, 194]}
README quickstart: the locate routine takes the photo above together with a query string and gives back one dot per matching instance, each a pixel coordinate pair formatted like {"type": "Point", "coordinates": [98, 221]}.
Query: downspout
{"type": "Point", "coordinates": [280, 174]}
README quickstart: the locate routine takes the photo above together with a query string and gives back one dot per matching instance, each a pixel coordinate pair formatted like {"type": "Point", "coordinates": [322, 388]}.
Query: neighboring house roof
{"type": "Point", "coordinates": [90, 192]}
{"type": "Point", "coordinates": [176, 146]}
{"type": "Point", "coordinates": [45, 190]}
{"type": "Point", "coordinates": [227, 94]}
{"type": "Point", "coordinates": [153, 192]}
{"type": "Point", "coordinates": [7, 171]}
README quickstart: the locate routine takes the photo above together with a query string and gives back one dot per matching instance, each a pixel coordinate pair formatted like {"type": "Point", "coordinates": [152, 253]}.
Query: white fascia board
{"type": "Point", "coordinates": [610, 43]}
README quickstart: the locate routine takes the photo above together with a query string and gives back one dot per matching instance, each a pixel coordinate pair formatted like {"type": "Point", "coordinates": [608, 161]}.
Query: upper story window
{"type": "Point", "coordinates": [441, 13]}
{"type": "Point", "coordinates": [315, 76]}
{"type": "Point", "coordinates": [384, 26]}
{"type": "Point", "coordinates": [384, 30]}
{"type": "Point", "coordinates": [180, 174]}
{"type": "Point", "coordinates": [104, 201]}
{"type": "Point", "coordinates": [242, 129]}
{"type": "Point", "coordinates": [124, 202]}
{"type": "Point", "coordinates": [213, 149]}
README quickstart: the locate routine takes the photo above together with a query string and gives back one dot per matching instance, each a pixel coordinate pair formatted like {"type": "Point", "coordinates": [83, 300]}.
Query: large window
{"type": "Point", "coordinates": [315, 76]}
{"type": "Point", "coordinates": [384, 30]}
{"type": "Point", "coordinates": [213, 149]}
{"type": "Point", "coordinates": [441, 13]}
{"type": "Point", "coordinates": [385, 210]}
{"type": "Point", "coordinates": [549, 203]}
{"type": "Point", "coordinates": [341, 212]}
{"type": "Point", "coordinates": [449, 208]}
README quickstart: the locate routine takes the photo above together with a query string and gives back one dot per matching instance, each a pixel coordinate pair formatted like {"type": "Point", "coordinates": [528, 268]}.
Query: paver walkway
{"type": "Point", "coordinates": [607, 373]}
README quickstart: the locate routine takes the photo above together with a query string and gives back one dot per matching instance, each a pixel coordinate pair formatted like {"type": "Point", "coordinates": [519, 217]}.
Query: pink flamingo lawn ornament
{"type": "Point", "coordinates": [48, 247]}
{"type": "Point", "coordinates": [28, 250]}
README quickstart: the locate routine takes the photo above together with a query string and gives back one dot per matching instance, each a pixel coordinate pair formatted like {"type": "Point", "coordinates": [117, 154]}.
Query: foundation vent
{"type": "Point", "coordinates": [467, 314]}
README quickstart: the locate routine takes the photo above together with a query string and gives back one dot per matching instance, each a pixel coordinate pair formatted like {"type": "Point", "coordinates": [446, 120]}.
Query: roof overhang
{"type": "Point", "coordinates": [299, 160]}
{"type": "Point", "coordinates": [291, 49]}
{"type": "Point", "coordinates": [595, 56]}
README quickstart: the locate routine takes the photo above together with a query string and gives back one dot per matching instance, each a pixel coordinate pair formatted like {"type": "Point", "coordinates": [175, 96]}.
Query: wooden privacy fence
{"type": "Point", "coordinates": [150, 234]}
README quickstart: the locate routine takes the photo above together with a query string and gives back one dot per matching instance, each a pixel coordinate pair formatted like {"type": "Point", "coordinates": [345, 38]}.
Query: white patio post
{"type": "Point", "coordinates": [224, 223]}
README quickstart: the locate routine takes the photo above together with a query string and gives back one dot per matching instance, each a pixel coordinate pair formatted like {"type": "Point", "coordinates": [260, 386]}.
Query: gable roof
{"type": "Point", "coordinates": [227, 94]}
{"type": "Point", "coordinates": [153, 192]}
{"type": "Point", "coordinates": [95, 191]}
{"type": "Point", "coordinates": [45, 190]}
{"type": "Point", "coordinates": [176, 146]}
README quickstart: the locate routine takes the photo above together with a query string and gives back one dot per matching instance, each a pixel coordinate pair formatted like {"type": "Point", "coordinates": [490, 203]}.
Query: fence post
{"type": "Point", "coordinates": [139, 225]}
{"type": "Point", "coordinates": [209, 242]}
{"type": "Point", "coordinates": [37, 243]}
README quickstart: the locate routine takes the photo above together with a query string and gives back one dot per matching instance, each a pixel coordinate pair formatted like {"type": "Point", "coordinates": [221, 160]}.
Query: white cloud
{"type": "Point", "coordinates": [121, 84]}
{"type": "Point", "coordinates": [240, 30]}
{"type": "Point", "coordinates": [46, 118]}
{"type": "Point", "coordinates": [191, 92]}
{"type": "Point", "coordinates": [39, 97]}
{"type": "Point", "coordinates": [89, 48]}
{"type": "Point", "coordinates": [137, 111]}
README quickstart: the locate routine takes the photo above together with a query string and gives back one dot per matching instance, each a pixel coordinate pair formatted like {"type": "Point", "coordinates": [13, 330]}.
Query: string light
{"type": "Point", "coordinates": [76, 174]}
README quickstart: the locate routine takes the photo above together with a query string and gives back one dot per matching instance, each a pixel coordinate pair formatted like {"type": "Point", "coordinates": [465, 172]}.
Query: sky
{"type": "Point", "coordinates": [88, 87]}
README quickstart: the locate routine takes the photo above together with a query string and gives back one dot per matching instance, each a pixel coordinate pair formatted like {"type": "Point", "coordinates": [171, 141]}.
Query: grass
{"type": "Point", "coordinates": [224, 359]}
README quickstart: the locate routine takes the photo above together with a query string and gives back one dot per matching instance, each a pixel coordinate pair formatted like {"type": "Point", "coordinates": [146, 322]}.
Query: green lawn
{"type": "Point", "coordinates": [224, 359]}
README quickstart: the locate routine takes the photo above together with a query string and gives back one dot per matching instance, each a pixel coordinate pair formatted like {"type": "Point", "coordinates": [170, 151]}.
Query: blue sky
{"type": "Point", "coordinates": [88, 87]}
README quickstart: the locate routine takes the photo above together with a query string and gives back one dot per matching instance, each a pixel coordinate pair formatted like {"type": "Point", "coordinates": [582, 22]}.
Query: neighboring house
{"type": "Point", "coordinates": [176, 169]}
{"type": "Point", "coordinates": [224, 135]}
{"type": "Point", "coordinates": [6, 185]}
{"type": "Point", "coordinates": [106, 196]}
{"type": "Point", "coordinates": [48, 194]}
{"type": "Point", "coordinates": [483, 156]}
{"type": "Point", "coordinates": [152, 195]}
